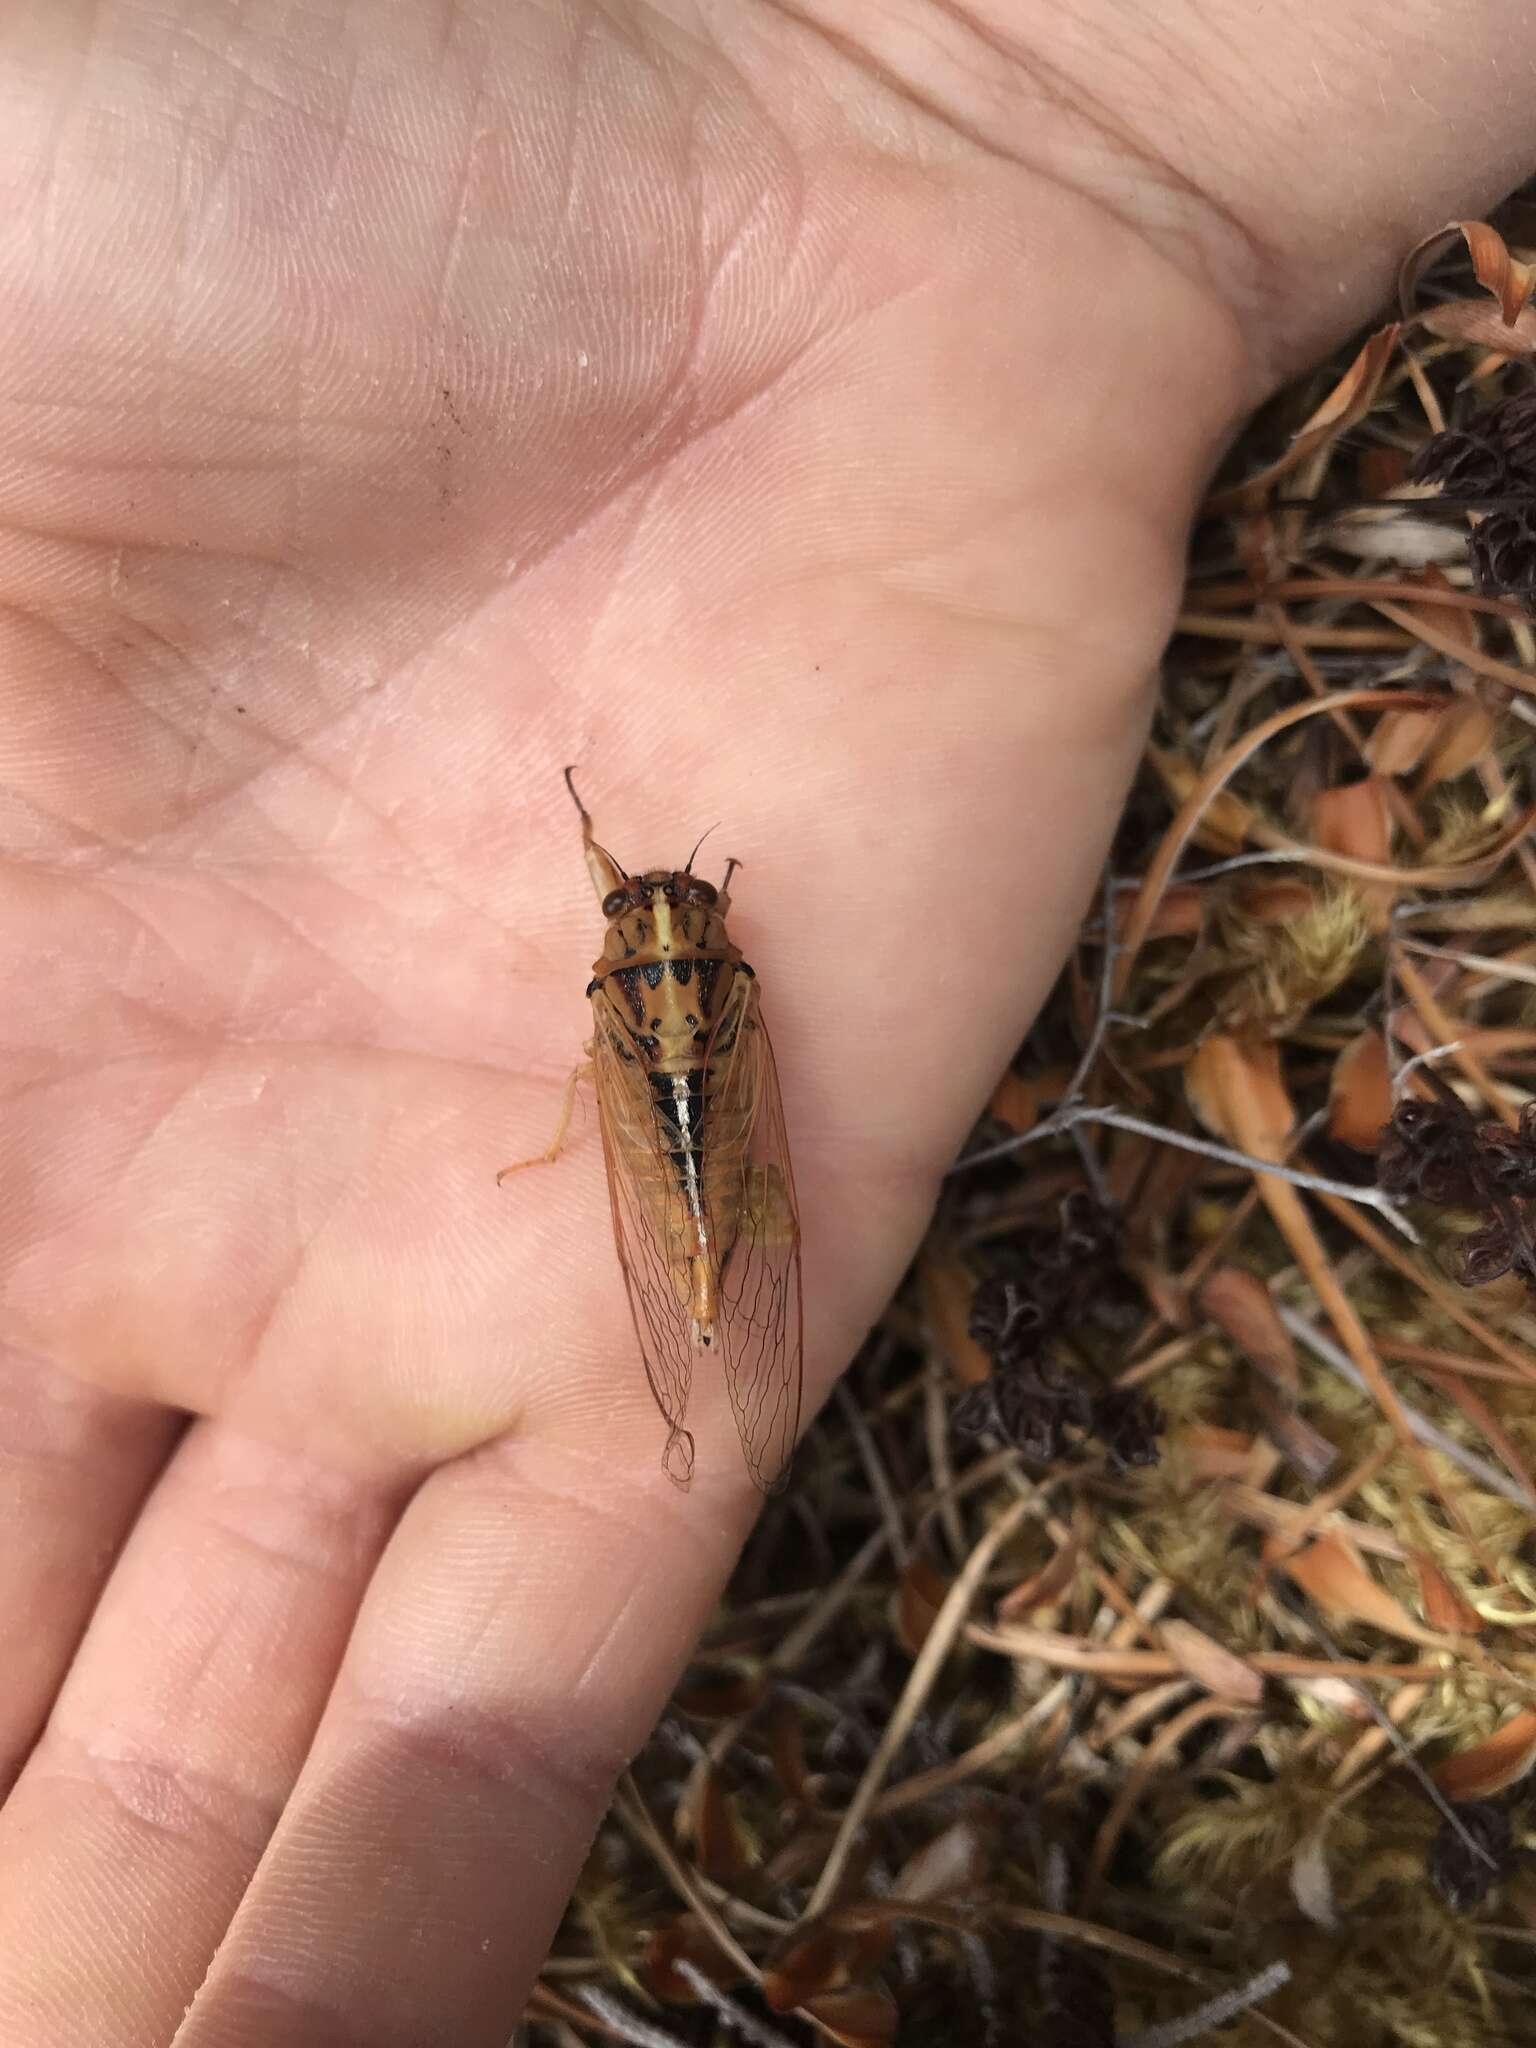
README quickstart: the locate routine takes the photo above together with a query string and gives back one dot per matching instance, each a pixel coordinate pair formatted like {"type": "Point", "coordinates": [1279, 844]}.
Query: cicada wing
{"type": "Point", "coordinates": [650, 1231]}
{"type": "Point", "coordinates": [761, 1319]}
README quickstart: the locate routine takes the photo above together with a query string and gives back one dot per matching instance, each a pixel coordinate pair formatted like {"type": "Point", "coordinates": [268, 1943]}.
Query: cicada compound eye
{"type": "Point", "coordinates": [700, 892]}
{"type": "Point", "coordinates": [615, 901]}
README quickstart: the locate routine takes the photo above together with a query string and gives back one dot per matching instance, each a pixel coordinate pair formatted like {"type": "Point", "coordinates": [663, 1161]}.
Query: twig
{"type": "Point", "coordinates": [636, 1816]}
{"type": "Point", "coordinates": [940, 1640]}
{"type": "Point", "coordinates": [792, 1648]}
{"type": "Point", "coordinates": [1432, 1438]}
{"type": "Point", "coordinates": [732, 2018]}
{"type": "Point", "coordinates": [874, 1470]}
{"type": "Point", "coordinates": [1406, 1757]}
{"type": "Point", "coordinates": [1426, 1058]}
{"type": "Point", "coordinates": [1482, 963]}
{"type": "Point", "coordinates": [1121, 1120]}
{"type": "Point", "coordinates": [940, 1457]}
{"type": "Point", "coordinates": [1226, 2005]}
{"type": "Point", "coordinates": [1100, 1026]}
{"type": "Point", "coordinates": [628, 2026]}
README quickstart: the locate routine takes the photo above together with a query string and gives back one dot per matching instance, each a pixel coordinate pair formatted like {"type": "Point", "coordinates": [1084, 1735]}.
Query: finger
{"type": "Point", "coordinates": [74, 1466]}
{"type": "Point", "coordinates": [521, 1634]}
{"type": "Point", "coordinates": [136, 1822]}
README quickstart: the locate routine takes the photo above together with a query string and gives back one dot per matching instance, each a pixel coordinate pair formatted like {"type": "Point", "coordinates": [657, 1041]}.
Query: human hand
{"type": "Point", "coordinates": [795, 425]}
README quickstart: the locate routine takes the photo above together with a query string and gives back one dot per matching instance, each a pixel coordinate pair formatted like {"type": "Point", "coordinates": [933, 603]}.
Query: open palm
{"type": "Point", "coordinates": [400, 403]}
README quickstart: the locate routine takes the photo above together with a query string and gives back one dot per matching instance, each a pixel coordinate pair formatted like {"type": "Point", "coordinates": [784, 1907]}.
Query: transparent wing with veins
{"type": "Point", "coordinates": [651, 1229]}
{"type": "Point", "coordinates": [746, 1195]}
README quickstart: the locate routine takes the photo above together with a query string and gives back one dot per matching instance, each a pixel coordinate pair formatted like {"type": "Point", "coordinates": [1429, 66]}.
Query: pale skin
{"type": "Point", "coordinates": [793, 416]}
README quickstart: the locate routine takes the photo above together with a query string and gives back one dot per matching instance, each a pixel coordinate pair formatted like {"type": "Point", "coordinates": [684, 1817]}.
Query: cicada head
{"type": "Point", "coordinates": [675, 887]}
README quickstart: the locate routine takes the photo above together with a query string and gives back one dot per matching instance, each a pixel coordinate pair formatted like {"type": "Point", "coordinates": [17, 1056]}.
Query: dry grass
{"type": "Point", "coordinates": [1150, 1633]}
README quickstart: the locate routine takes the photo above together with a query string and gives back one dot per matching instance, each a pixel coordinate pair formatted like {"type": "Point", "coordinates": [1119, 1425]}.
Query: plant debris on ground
{"type": "Point", "coordinates": [1146, 1648]}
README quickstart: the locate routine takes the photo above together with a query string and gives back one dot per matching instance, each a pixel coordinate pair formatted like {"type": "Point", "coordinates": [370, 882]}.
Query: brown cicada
{"type": "Point", "coordinates": [703, 1201]}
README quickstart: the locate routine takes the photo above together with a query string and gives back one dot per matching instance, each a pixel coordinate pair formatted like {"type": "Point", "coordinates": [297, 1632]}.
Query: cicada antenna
{"type": "Point", "coordinates": [688, 863]}
{"type": "Point", "coordinates": [586, 820]}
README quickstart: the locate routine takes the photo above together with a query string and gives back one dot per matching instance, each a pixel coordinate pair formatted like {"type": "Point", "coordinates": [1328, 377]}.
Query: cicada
{"type": "Point", "coordinates": [703, 1200]}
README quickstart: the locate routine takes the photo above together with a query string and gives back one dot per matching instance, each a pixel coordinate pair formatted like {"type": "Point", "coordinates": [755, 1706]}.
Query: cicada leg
{"type": "Point", "coordinates": [579, 1073]}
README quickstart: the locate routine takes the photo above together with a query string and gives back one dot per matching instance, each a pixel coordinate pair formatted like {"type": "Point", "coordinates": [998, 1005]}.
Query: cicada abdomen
{"type": "Point", "coordinates": [704, 1214]}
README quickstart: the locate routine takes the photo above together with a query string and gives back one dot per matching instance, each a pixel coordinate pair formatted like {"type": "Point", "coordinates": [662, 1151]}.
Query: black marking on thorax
{"type": "Point", "coordinates": [709, 978]}
{"type": "Point", "coordinates": [628, 980]}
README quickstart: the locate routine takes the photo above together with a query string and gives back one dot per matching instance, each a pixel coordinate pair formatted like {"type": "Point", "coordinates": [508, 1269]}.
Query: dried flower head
{"type": "Point", "coordinates": [1438, 1152]}
{"type": "Point", "coordinates": [1047, 1285]}
{"type": "Point", "coordinates": [1489, 466]}
{"type": "Point", "coordinates": [1492, 455]}
{"type": "Point", "coordinates": [1046, 1279]}
{"type": "Point", "coordinates": [1503, 550]}
{"type": "Point", "coordinates": [1427, 1154]}
{"type": "Point", "coordinates": [1026, 1410]}
{"type": "Point", "coordinates": [1127, 1423]}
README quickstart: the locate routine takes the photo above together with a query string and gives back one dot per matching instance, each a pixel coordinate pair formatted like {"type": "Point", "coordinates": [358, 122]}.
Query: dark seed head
{"type": "Point", "coordinates": [1467, 1860]}
{"type": "Point", "coordinates": [1491, 455]}
{"type": "Point", "coordinates": [1127, 1424]}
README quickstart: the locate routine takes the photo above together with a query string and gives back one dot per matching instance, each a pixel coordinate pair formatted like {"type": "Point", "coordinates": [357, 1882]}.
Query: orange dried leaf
{"type": "Point", "coordinates": [1355, 820]}
{"type": "Point", "coordinates": [1488, 1766]}
{"type": "Point", "coordinates": [719, 1840]}
{"type": "Point", "coordinates": [1241, 1305]}
{"type": "Point", "coordinates": [1217, 1669]}
{"type": "Point", "coordinates": [1350, 400]}
{"type": "Point", "coordinates": [720, 1697]}
{"type": "Point", "coordinates": [1237, 1092]}
{"type": "Point", "coordinates": [685, 1940]}
{"type": "Point", "coordinates": [1465, 734]}
{"type": "Point", "coordinates": [1397, 745]}
{"type": "Point", "coordinates": [1509, 280]}
{"type": "Point", "coordinates": [808, 1964]}
{"type": "Point", "coordinates": [863, 2018]}
{"type": "Point", "coordinates": [824, 1964]}
{"type": "Point", "coordinates": [1279, 902]}
{"type": "Point", "coordinates": [946, 1290]}
{"type": "Point", "coordinates": [916, 1602]}
{"type": "Point", "coordinates": [1211, 1452]}
{"type": "Point", "coordinates": [1014, 1102]}
{"type": "Point", "coordinates": [1444, 1607]}
{"type": "Point", "coordinates": [1331, 1572]}
{"type": "Point", "coordinates": [1458, 629]}
{"type": "Point", "coordinates": [1495, 269]}
{"type": "Point", "coordinates": [1180, 914]}
{"type": "Point", "coordinates": [1360, 1092]}
{"type": "Point", "coordinates": [786, 1745]}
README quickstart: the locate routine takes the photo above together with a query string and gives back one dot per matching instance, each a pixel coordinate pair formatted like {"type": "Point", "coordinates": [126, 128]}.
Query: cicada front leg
{"type": "Point", "coordinates": [579, 1073]}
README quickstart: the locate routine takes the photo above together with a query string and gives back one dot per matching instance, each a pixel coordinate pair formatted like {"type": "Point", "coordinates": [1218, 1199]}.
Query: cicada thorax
{"type": "Point", "coordinates": [672, 995]}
